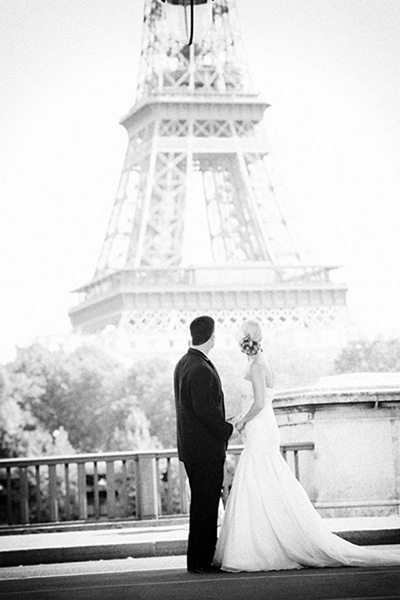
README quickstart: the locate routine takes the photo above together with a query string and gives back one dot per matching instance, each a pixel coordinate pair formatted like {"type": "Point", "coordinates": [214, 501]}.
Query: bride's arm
{"type": "Point", "coordinates": [258, 383]}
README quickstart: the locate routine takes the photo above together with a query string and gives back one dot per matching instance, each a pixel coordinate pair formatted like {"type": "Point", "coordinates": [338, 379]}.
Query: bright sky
{"type": "Point", "coordinates": [329, 69]}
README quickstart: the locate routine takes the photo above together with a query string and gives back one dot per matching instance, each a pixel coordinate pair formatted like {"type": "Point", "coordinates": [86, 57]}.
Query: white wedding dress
{"type": "Point", "coordinates": [269, 521]}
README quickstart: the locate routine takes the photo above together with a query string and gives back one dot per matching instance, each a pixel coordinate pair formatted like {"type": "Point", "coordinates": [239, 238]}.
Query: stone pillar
{"type": "Point", "coordinates": [148, 489]}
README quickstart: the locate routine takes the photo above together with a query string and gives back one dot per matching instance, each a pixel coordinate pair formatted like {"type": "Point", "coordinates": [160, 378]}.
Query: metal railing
{"type": "Point", "coordinates": [104, 487]}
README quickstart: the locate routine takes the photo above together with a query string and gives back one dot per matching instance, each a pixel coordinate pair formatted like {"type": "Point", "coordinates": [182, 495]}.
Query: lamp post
{"type": "Point", "coordinates": [189, 20]}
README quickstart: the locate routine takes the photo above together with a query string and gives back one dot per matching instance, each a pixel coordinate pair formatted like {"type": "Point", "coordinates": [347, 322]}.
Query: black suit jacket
{"type": "Point", "coordinates": [202, 432]}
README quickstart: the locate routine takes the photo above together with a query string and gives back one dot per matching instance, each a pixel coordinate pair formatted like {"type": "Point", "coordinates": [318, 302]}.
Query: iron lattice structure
{"type": "Point", "coordinates": [197, 226]}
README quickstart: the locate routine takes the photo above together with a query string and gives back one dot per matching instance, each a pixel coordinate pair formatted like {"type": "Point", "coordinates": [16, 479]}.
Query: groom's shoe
{"type": "Point", "coordinates": [206, 569]}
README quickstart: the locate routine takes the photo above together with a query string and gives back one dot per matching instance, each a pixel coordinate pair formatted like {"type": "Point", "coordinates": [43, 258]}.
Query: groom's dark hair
{"type": "Point", "coordinates": [201, 329]}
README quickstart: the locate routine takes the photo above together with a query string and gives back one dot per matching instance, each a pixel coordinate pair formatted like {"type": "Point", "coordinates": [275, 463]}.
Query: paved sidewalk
{"type": "Point", "coordinates": [144, 541]}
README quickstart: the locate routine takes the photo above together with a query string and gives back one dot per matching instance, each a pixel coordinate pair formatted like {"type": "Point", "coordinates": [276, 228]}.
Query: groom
{"type": "Point", "coordinates": [203, 434]}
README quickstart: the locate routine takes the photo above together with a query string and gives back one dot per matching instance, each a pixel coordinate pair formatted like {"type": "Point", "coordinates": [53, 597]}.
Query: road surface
{"type": "Point", "coordinates": [166, 578]}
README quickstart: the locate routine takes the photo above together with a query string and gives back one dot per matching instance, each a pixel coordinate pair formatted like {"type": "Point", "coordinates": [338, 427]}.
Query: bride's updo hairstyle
{"type": "Point", "coordinates": [251, 336]}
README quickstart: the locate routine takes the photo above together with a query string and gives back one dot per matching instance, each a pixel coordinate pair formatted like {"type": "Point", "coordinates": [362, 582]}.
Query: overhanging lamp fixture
{"type": "Point", "coordinates": [189, 20]}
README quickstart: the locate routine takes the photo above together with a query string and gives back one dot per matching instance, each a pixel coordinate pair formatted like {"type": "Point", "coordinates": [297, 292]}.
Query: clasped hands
{"type": "Point", "coordinates": [238, 425]}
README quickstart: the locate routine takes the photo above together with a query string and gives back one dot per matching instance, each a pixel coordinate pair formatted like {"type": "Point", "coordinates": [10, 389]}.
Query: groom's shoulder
{"type": "Point", "coordinates": [192, 361]}
{"type": "Point", "coordinates": [186, 361]}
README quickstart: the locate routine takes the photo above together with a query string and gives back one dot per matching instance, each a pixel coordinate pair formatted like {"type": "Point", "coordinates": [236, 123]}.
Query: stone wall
{"type": "Point", "coordinates": [354, 422]}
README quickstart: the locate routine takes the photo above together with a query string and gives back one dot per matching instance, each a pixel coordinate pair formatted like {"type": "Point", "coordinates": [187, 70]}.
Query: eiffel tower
{"type": "Point", "coordinates": [197, 226]}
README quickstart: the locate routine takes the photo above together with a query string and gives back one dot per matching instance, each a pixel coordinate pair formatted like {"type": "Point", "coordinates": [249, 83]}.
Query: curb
{"type": "Point", "coordinates": [36, 556]}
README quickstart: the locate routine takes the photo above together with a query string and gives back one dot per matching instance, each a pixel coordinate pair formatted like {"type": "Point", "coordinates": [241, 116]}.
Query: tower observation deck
{"type": "Point", "coordinates": [197, 226]}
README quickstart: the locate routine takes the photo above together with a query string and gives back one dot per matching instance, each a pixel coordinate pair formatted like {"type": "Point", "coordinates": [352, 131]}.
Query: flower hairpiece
{"type": "Point", "coordinates": [249, 346]}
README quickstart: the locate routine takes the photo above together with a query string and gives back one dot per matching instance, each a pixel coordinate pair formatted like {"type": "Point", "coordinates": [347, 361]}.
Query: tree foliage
{"type": "Point", "coordinates": [85, 395]}
{"type": "Point", "coordinates": [363, 355]}
{"type": "Point", "coordinates": [152, 378]}
{"type": "Point", "coordinates": [21, 433]}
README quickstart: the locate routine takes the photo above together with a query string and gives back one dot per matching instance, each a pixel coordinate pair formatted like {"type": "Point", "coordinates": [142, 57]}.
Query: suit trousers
{"type": "Point", "coordinates": [205, 480]}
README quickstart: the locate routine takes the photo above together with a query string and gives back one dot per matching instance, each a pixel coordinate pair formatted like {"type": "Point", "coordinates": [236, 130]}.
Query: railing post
{"type": "Point", "coordinates": [38, 494]}
{"type": "Point", "coordinates": [169, 486]}
{"type": "Point", "coordinates": [23, 495]}
{"type": "Point", "coordinates": [9, 497]}
{"type": "Point", "coordinates": [67, 492]}
{"type": "Point", "coordinates": [96, 498]}
{"type": "Point", "coordinates": [82, 500]}
{"type": "Point", "coordinates": [296, 464]}
{"type": "Point", "coordinates": [124, 489]}
{"type": "Point", "coordinates": [110, 490]}
{"type": "Point", "coordinates": [53, 493]}
{"type": "Point", "coordinates": [148, 487]}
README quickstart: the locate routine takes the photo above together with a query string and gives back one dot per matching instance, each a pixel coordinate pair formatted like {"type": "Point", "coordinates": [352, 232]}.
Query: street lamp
{"type": "Point", "coordinates": [189, 20]}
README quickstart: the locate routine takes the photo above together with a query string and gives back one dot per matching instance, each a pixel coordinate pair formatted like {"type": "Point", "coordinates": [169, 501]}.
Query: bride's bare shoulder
{"type": "Point", "coordinates": [261, 366]}
{"type": "Point", "coordinates": [258, 365]}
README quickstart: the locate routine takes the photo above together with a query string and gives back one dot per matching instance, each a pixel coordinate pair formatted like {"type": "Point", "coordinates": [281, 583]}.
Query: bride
{"type": "Point", "coordinates": [269, 521]}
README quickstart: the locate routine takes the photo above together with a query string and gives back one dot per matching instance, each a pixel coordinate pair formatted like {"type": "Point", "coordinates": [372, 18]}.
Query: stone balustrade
{"type": "Point", "coordinates": [103, 487]}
